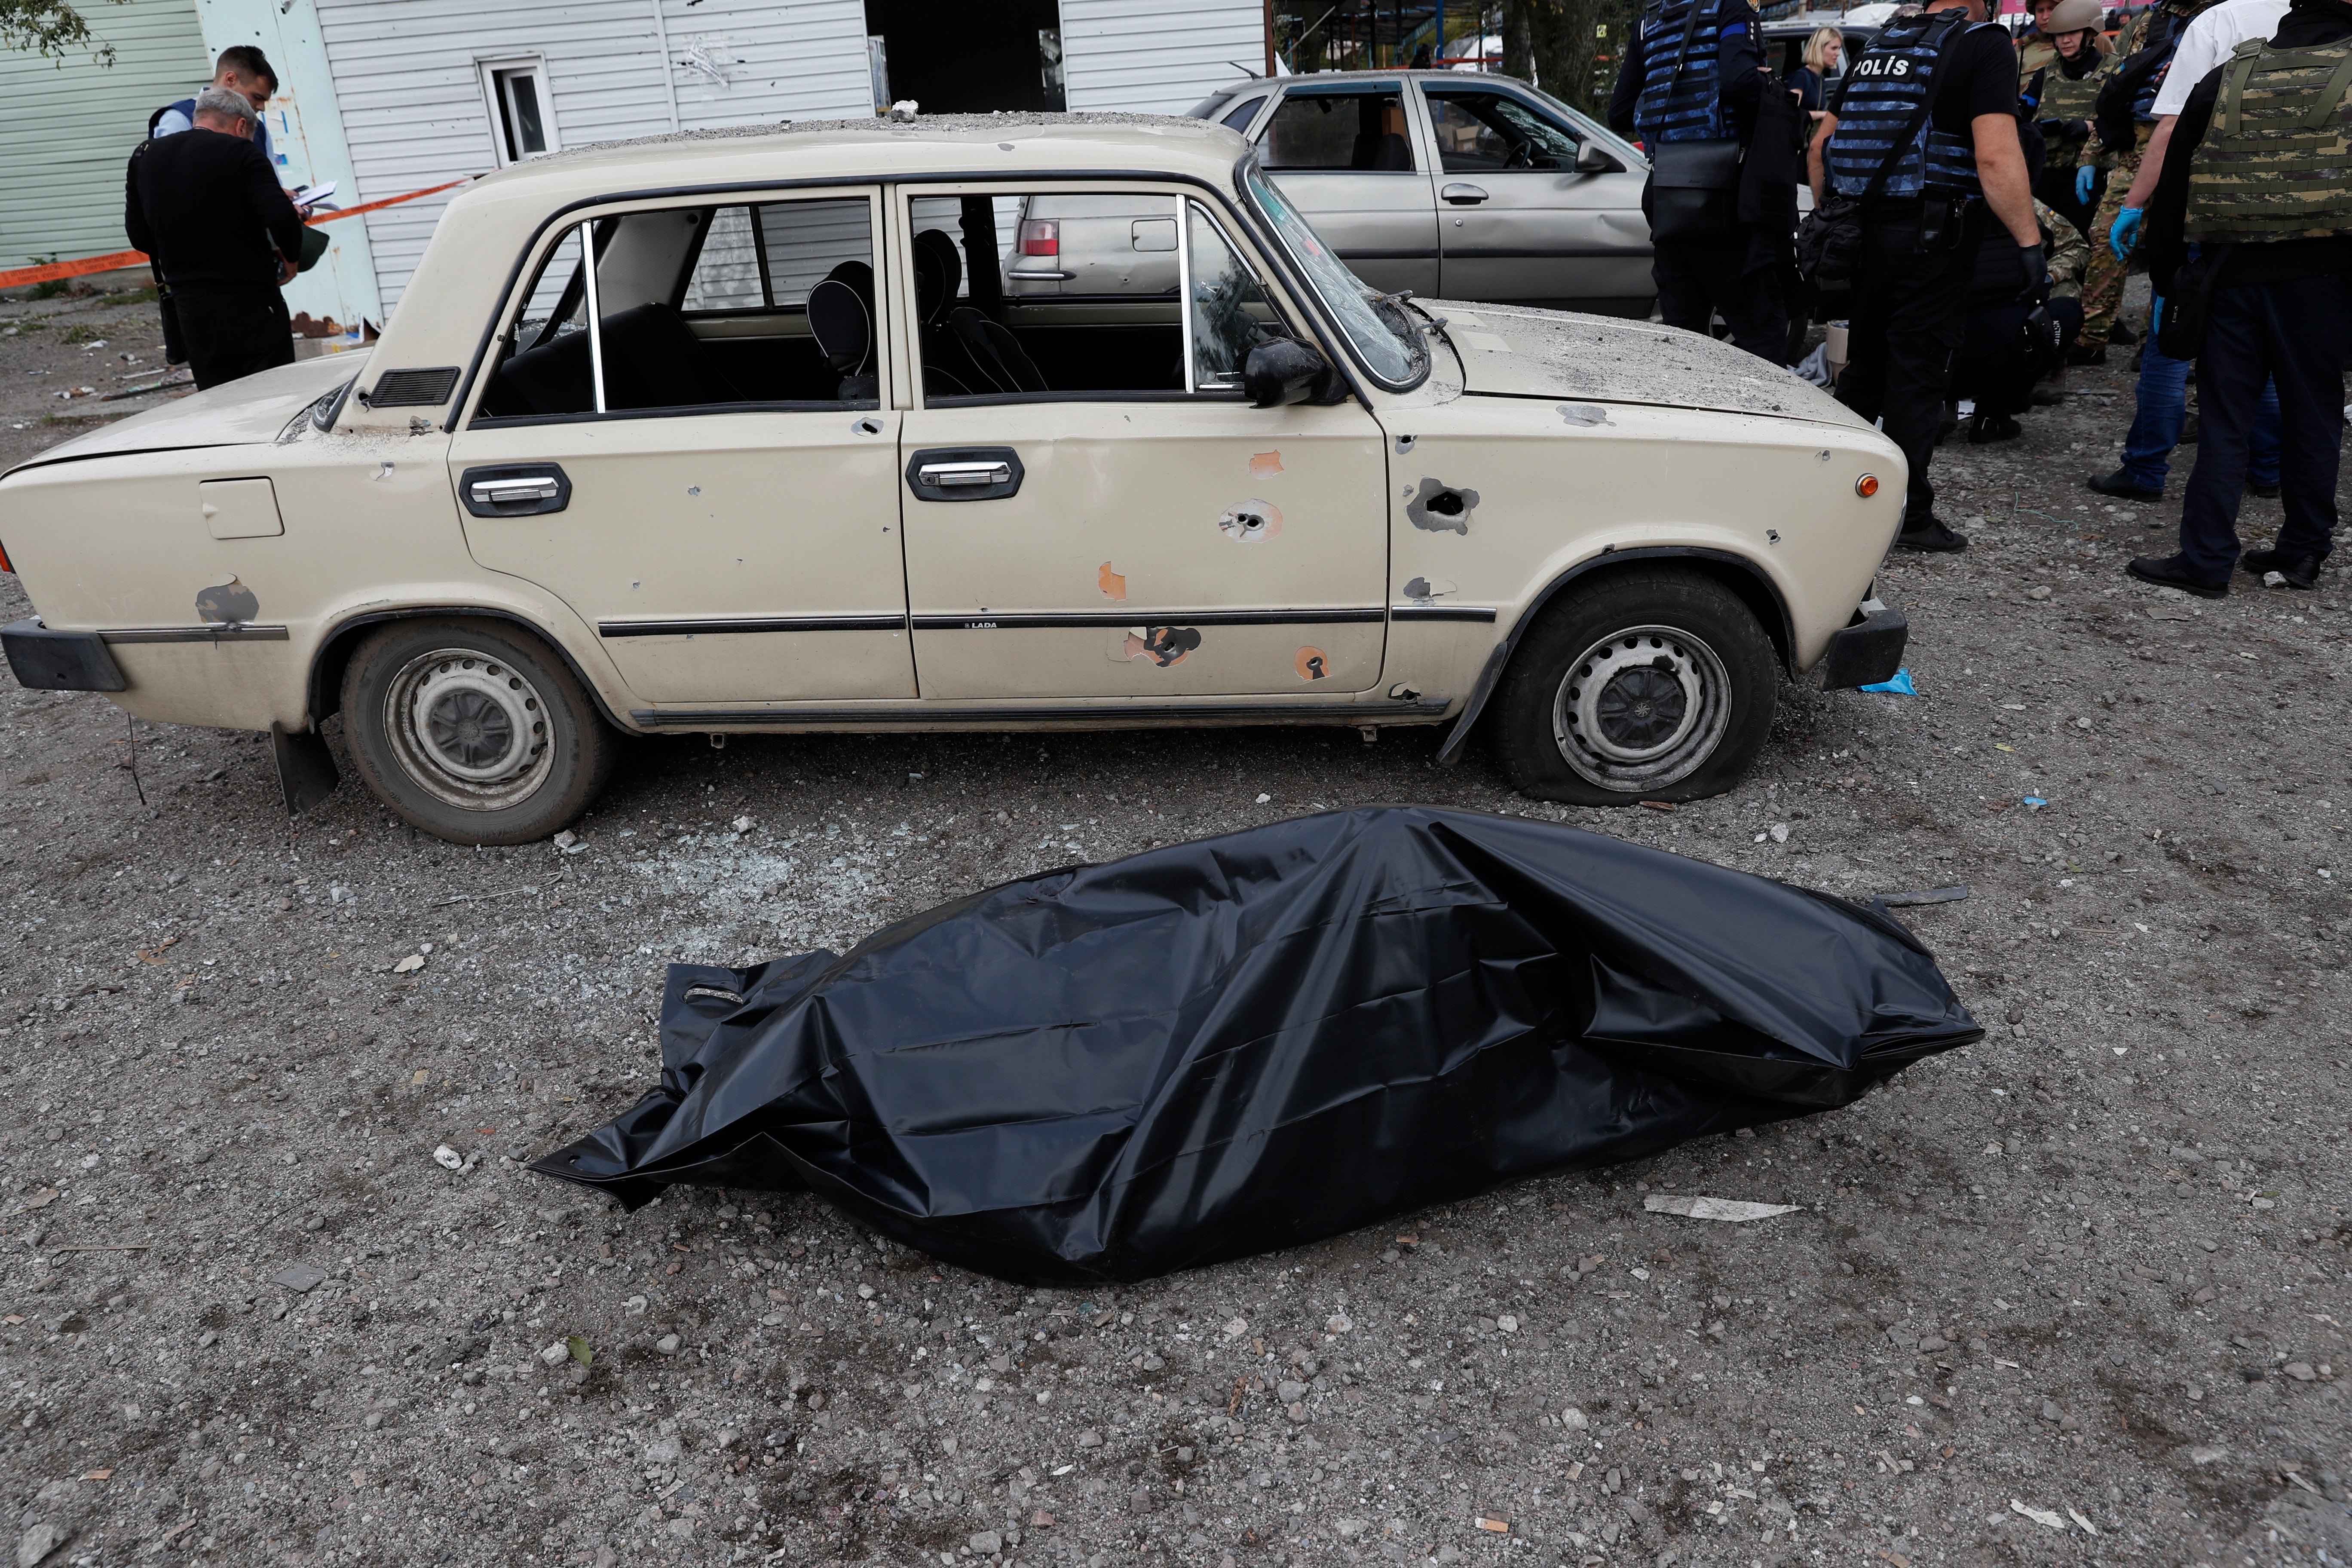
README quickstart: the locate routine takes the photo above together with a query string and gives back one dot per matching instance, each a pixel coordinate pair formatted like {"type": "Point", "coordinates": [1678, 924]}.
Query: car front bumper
{"type": "Point", "coordinates": [1866, 651]}
{"type": "Point", "coordinates": [47, 661]}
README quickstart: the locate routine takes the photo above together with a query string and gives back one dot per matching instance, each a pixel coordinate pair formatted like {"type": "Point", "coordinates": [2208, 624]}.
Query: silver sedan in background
{"type": "Point", "coordinates": [1462, 186]}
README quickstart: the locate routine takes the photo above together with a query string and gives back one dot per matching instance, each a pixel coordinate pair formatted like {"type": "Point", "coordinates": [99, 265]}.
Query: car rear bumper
{"type": "Point", "coordinates": [47, 661]}
{"type": "Point", "coordinates": [1867, 651]}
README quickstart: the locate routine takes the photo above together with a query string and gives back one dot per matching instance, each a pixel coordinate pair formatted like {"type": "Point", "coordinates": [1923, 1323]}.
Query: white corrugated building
{"type": "Point", "coordinates": [429, 90]}
{"type": "Point", "coordinates": [387, 97]}
{"type": "Point", "coordinates": [77, 122]}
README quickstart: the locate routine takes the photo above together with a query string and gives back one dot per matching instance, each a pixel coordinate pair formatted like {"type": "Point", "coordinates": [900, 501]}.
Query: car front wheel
{"type": "Point", "coordinates": [474, 732]}
{"type": "Point", "coordinates": [1645, 685]}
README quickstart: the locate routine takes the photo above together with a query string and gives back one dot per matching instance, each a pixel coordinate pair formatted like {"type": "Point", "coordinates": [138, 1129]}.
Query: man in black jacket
{"type": "Point", "coordinates": [2260, 191]}
{"type": "Point", "coordinates": [207, 207]}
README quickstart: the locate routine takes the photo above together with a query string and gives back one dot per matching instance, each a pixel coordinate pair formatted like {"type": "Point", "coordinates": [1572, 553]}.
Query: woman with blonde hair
{"type": "Point", "coordinates": [1822, 52]}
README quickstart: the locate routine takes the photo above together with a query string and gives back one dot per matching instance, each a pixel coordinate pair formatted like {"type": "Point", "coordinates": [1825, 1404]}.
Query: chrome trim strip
{"type": "Point", "coordinates": [224, 631]}
{"type": "Point", "coordinates": [1025, 620]}
{"type": "Point", "coordinates": [708, 626]}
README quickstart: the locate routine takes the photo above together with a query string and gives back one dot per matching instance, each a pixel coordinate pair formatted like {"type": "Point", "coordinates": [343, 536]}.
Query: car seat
{"type": "Point", "coordinates": [653, 360]}
{"type": "Point", "coordinates": [841, 320]}
{"type": "Point", "coordinates": [552, 378]}
{"type": "Point", "coordinates": [963, 350]}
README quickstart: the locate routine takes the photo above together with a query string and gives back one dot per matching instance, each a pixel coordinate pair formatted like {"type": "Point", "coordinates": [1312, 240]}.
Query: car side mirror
{"type": "Point", "coordinates": [1594, 158]}
{"type": "Point", "coordinates": [1284, 370]}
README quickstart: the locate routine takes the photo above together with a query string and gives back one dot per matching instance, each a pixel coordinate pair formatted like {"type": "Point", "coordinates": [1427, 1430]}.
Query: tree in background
{"type": "Point", "coordinates": [1559, 45]}
{"type": "Point", "coordinates": [48, 28]}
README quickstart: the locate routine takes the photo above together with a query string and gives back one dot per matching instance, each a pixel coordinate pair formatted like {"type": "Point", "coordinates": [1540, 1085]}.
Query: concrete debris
{"type": "Point", "coordinates": [2041, 1516]}
{"type": "Point", "coordinates": [1735, 1210]}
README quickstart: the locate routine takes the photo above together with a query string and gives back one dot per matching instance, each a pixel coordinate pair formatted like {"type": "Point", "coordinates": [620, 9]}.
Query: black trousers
{"type": "Point", "coordinates": [1699, 277]}
{"type": "Point", "coordinates": [2299, 334]}
{"type": "Point", "coordinates": [1909, 313]}
{"type": "Point", "coordinates": [233, 335]}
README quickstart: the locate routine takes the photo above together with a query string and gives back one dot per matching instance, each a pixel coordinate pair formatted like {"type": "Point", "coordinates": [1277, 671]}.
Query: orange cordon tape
{"type": "Point", "coordinates": [50, 271]}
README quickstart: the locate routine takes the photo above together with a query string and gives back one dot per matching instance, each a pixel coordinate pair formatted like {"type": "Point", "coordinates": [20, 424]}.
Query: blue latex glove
{"type": "Point", "coordinates": [2124, 235]}
{"type": "Point", "coordinates": [2084, 178]}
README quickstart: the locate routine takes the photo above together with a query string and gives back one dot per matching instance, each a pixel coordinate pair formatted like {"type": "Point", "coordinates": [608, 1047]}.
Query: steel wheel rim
{"type": "Point", "coordinates": [469, 729]}
{"type": "Point", "coordinates": [1641, 708]}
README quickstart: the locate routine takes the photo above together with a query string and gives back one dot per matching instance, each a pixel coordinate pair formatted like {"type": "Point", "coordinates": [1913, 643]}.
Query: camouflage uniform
{"type": "Point", "coordinates": [2068, 255]}
{"type": "Point", "coordinates": [2062, 98]}
{"type": "Point", "coordinates": [2103, 290]}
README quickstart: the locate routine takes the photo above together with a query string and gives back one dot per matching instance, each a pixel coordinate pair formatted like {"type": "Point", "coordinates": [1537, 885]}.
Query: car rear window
{"type": "Point", "coordinates": [1361, 131]}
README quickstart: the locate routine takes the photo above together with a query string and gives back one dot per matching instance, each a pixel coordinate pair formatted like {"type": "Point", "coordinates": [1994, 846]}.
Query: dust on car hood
{"type": "Point", "coordinates": [1511, 352]}
{"type": "Point", "coordinates": [250, 411]}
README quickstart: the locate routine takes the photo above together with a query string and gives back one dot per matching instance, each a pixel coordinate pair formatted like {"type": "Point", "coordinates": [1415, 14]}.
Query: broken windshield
{"type": "Point", "coordinates": [1380, 334]}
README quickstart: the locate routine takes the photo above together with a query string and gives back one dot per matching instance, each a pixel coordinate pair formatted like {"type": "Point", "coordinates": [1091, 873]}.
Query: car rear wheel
{"type": "Point", "coordinates": [1645, 685]}
{"type": "Point", "coordinates": [474, 732]}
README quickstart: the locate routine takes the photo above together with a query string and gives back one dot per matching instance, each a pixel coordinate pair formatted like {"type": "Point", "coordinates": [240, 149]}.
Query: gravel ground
{"type": "Point", "coordinates": [2074, 1295]}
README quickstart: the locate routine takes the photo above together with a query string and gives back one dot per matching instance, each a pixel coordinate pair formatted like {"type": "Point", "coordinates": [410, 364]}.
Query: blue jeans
{"type": "Point", "coordinates": [2163, 400]}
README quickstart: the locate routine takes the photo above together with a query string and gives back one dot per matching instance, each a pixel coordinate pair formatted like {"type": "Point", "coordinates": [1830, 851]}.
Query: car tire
{"type": "Point", "coordinates": [1645, 684]}
{"type": "Point", "coordinates": [473, 730]}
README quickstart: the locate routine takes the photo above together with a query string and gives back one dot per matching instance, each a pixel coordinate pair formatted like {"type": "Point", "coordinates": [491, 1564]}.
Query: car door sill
{"type": "Point", "coordinates": [1046, 711]}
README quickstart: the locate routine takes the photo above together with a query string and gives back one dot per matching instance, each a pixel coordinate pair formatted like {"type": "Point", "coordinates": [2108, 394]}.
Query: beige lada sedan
{"type": "Point", "coordinates": [745, 434]}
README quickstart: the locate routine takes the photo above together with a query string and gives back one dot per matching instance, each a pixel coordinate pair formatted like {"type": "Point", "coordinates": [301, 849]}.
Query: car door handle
{"type": "Point", "coordinates": [515, 489]}
{"type": "Point", "coordinates": [947, 474]}
{"type": "Point", "coordinates": [964, 473]}
{"type": "Point", "coordinates": [1462, 196]}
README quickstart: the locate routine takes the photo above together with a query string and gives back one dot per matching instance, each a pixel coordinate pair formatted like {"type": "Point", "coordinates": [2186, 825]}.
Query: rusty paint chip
{"type": "Point", "coordinates": [1313, 664]}
{"type": "Point", "coordinates": [1264, 465]}
{"type": "Point", "coordinates": [1112, 585]}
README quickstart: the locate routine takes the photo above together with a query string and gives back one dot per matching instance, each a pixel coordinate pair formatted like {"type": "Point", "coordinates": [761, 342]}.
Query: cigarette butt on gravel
{"type": "Point", "coordinates": [1731, 1209]}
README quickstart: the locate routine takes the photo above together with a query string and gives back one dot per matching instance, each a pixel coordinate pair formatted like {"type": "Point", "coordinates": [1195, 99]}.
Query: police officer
{"type": "Point", "coordinates": [1690, 77]}
{"type": "Point", "coordinates": [1923, 134]}
{"type": "Point", "coordinates": [2253, 178]}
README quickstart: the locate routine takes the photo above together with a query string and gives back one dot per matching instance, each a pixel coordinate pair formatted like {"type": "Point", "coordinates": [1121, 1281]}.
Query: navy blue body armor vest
{"type": "Point", "coordinates": [1684, 105]}
{"type": "Point", "coordinates": [1890, 84]}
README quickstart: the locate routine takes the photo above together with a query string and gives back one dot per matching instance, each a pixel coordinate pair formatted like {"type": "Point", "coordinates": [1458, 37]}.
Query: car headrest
{"type": "Point", "coordinates": [859, 277]}
{"type": "Point", "coordinates": [841, 324]}
{"type": "Point", "coordinates": [938, 273]}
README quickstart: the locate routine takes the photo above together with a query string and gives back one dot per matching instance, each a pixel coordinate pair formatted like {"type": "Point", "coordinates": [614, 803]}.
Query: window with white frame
{"type": "Point", "coordinates": [522, 122]}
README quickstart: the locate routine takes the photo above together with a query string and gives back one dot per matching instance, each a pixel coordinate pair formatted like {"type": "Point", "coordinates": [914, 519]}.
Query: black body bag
{"type": "Point", "coordinates": [1257, 1041]}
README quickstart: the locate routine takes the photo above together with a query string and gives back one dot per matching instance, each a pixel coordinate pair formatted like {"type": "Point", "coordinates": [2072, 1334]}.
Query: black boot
{"type": "Point", "coordinates": [2120, 485]}
{"type": "Point", "coordinates": [1930, 535]}
{"type": "Point", "coordinates": [2172, 572]}
{"type": "Point", "coordinates": [2300, 571]}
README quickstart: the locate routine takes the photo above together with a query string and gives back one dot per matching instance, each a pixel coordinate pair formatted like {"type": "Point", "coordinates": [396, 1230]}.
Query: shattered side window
{"type": "Point", "coordinates": [1380, 334]}
{"type": "Point", "coordinates": [1231, 312]}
